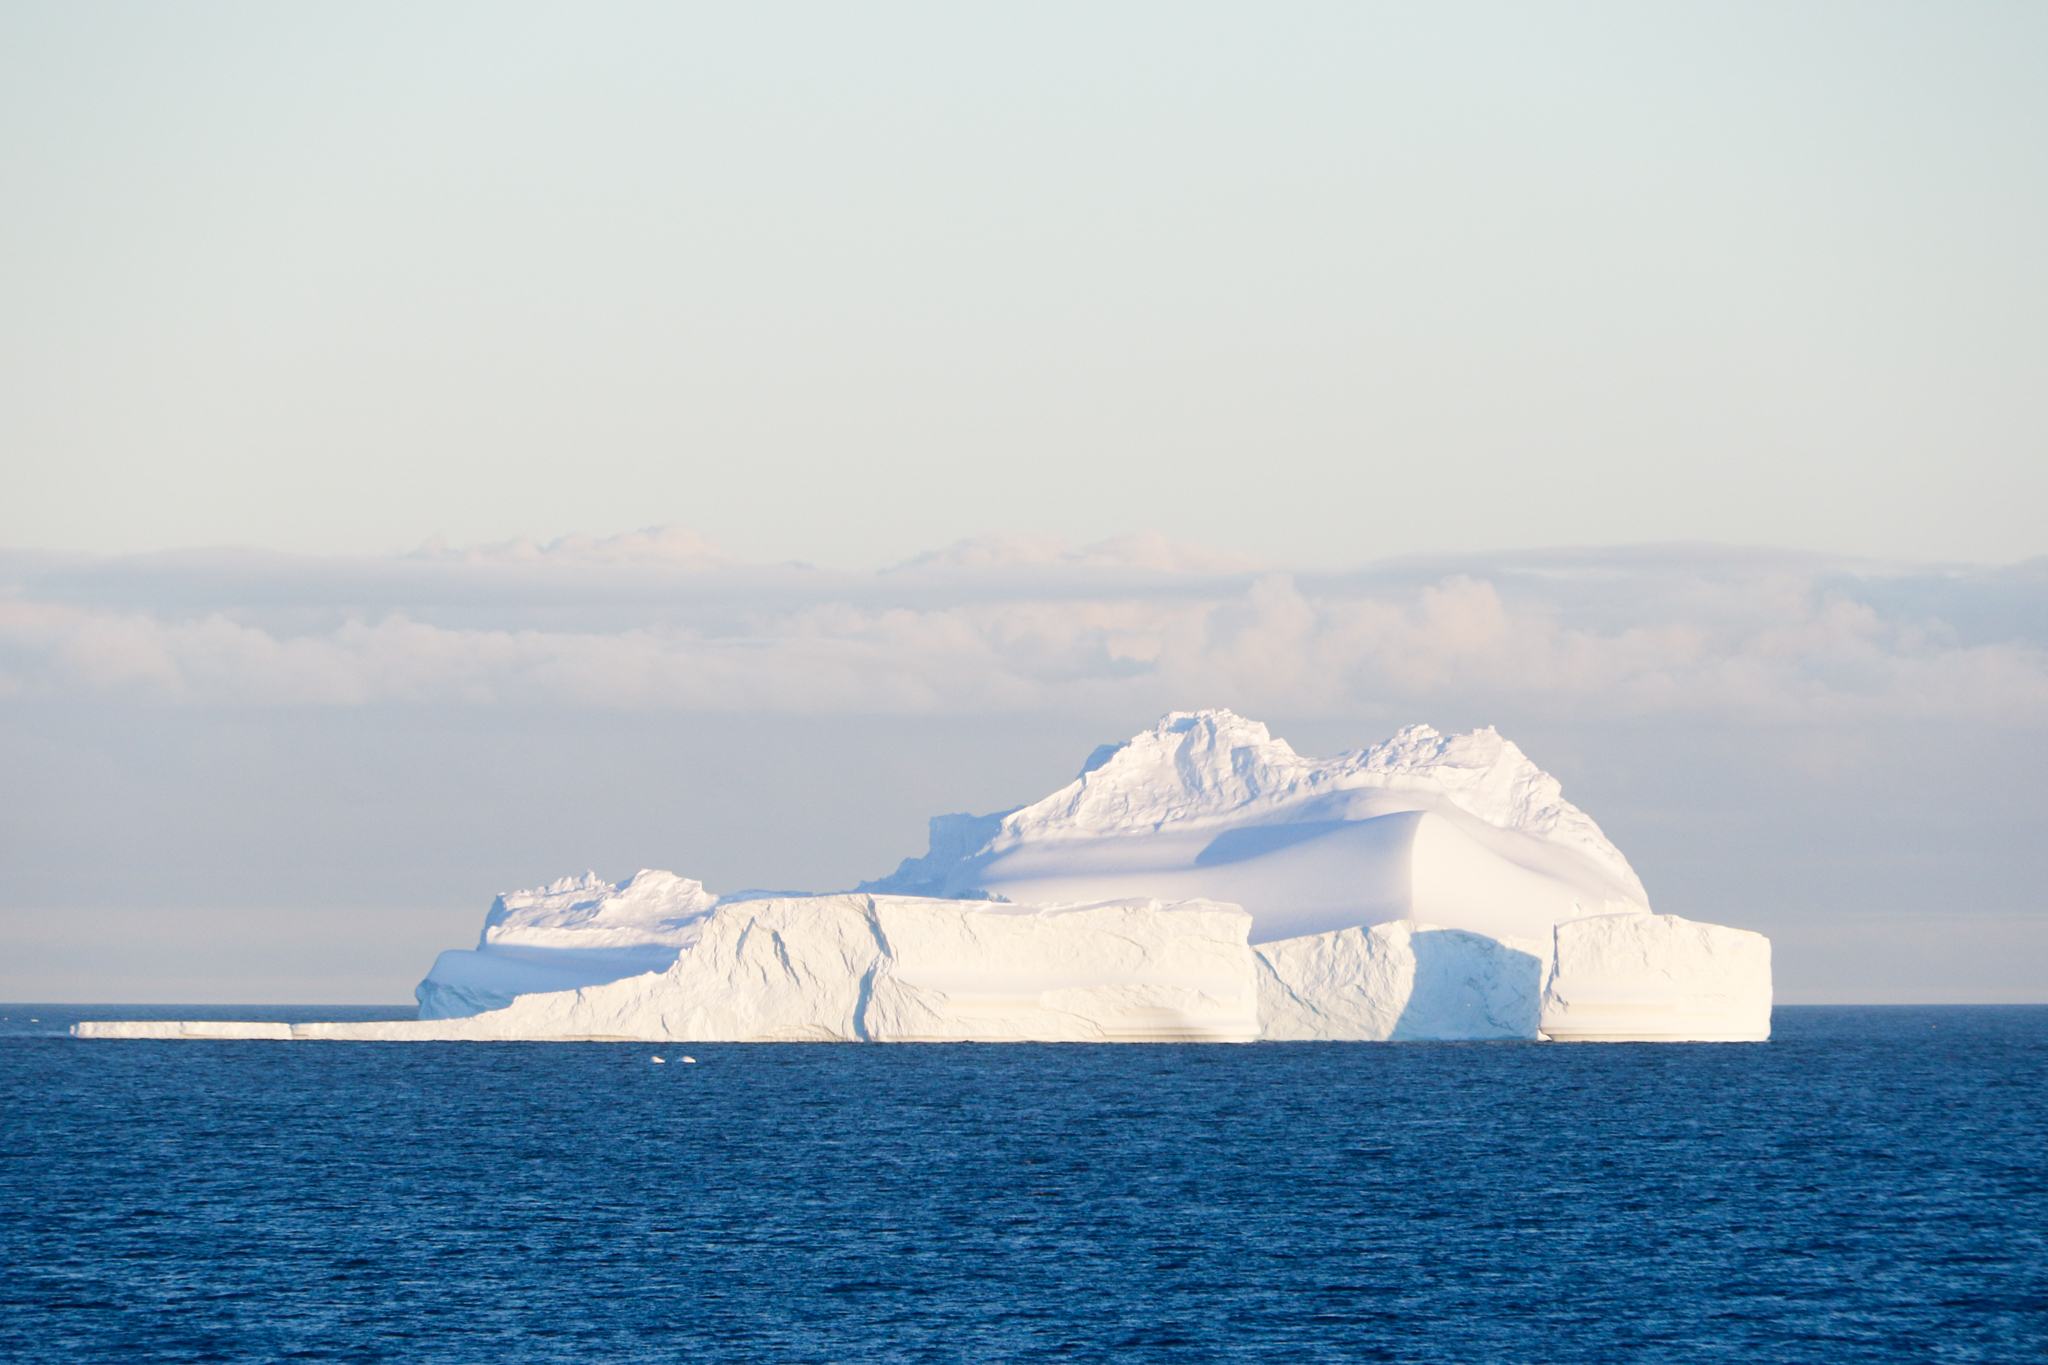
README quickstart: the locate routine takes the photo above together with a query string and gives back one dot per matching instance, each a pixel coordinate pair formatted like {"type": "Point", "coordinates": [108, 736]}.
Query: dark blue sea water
{"type": "Point", "coordinates": [1870, 1186]}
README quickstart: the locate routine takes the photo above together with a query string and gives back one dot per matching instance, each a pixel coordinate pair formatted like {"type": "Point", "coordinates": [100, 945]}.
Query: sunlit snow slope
{"type": "Point", "coordinates": [1460, 831]}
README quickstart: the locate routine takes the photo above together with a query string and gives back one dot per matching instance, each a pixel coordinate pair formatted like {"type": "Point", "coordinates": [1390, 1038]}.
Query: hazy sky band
{"type": "Point", "coordinates": [664, 621]}
{"type": "Point", "coordinates": [1321, 283]}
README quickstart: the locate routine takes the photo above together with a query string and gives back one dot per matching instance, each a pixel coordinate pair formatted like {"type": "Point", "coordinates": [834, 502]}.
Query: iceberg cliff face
{"type": "Point", "coordinates": [1657, 978]}
{"type": "Point", "coordinates": [1400, 982]}
{"type": "Point", "coordinates": [859, 968]}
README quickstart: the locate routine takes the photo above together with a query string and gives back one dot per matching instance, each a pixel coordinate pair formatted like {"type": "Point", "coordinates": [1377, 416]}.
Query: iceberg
{"type": "Point", "coordinates": [1200, 882]}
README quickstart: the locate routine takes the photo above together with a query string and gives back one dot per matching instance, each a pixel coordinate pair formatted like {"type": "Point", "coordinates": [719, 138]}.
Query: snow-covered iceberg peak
{"type": "Point", "coordinates": [1193, 765]}
{"type": "Point", "coordinates": [1486, 776]}
{"type": "Point", "coordinates": [579, 931]}
{"type": "Point", "coordinates": [1198, 767]}
{"type": "Point", "coordinates": [1459, 831]}
{"type": "Point", "coordinates": [648, 909]}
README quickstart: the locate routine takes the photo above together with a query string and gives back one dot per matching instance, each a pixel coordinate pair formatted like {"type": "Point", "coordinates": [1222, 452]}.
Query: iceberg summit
{"type": "Point", "coordinates": [1201, 882]}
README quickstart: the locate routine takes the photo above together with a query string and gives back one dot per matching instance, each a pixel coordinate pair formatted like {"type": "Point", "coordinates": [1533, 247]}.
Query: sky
{"type": "Point", "coordinates": [447, 447]}
{"type": "Point", "coordinates": [839, 284]}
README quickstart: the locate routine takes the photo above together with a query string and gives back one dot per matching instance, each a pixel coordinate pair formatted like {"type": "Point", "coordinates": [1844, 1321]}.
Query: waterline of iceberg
{"type": "Point", "coordinates": [861, 968]}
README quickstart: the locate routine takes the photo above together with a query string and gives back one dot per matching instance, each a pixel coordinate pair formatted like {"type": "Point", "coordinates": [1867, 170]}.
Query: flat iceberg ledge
{"type": "Point", "coordinates": [868, 968]}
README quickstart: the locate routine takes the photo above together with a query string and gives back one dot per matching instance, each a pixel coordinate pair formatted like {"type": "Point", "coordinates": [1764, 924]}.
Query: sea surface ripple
{"type": "Point", "coordinates": [1872, 1185]}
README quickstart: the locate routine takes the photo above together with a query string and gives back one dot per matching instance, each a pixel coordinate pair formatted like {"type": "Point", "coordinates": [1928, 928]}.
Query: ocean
{"type": "Point", "coordinates": [1871, 1185]}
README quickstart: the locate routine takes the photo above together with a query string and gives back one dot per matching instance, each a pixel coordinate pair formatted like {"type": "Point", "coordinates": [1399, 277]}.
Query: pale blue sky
{"type": "Point", "coordinates": [841, 283]}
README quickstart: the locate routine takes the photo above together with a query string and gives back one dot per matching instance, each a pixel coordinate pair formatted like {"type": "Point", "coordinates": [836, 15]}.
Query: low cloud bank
{"type": "Point", "coordinates": [663, 620]}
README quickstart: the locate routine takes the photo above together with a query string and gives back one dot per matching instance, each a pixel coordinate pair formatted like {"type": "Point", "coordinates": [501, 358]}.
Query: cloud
{"type": "Point", "coordinates": [1144, 550]}
{"type": "Point", "coordinates": [676, 547]}
{"type": "Point", "coordinates": [662, 620]}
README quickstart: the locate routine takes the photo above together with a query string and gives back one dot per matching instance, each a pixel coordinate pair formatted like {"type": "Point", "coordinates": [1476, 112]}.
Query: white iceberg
{"type": "Point", "coordinates": [1201, 882]}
